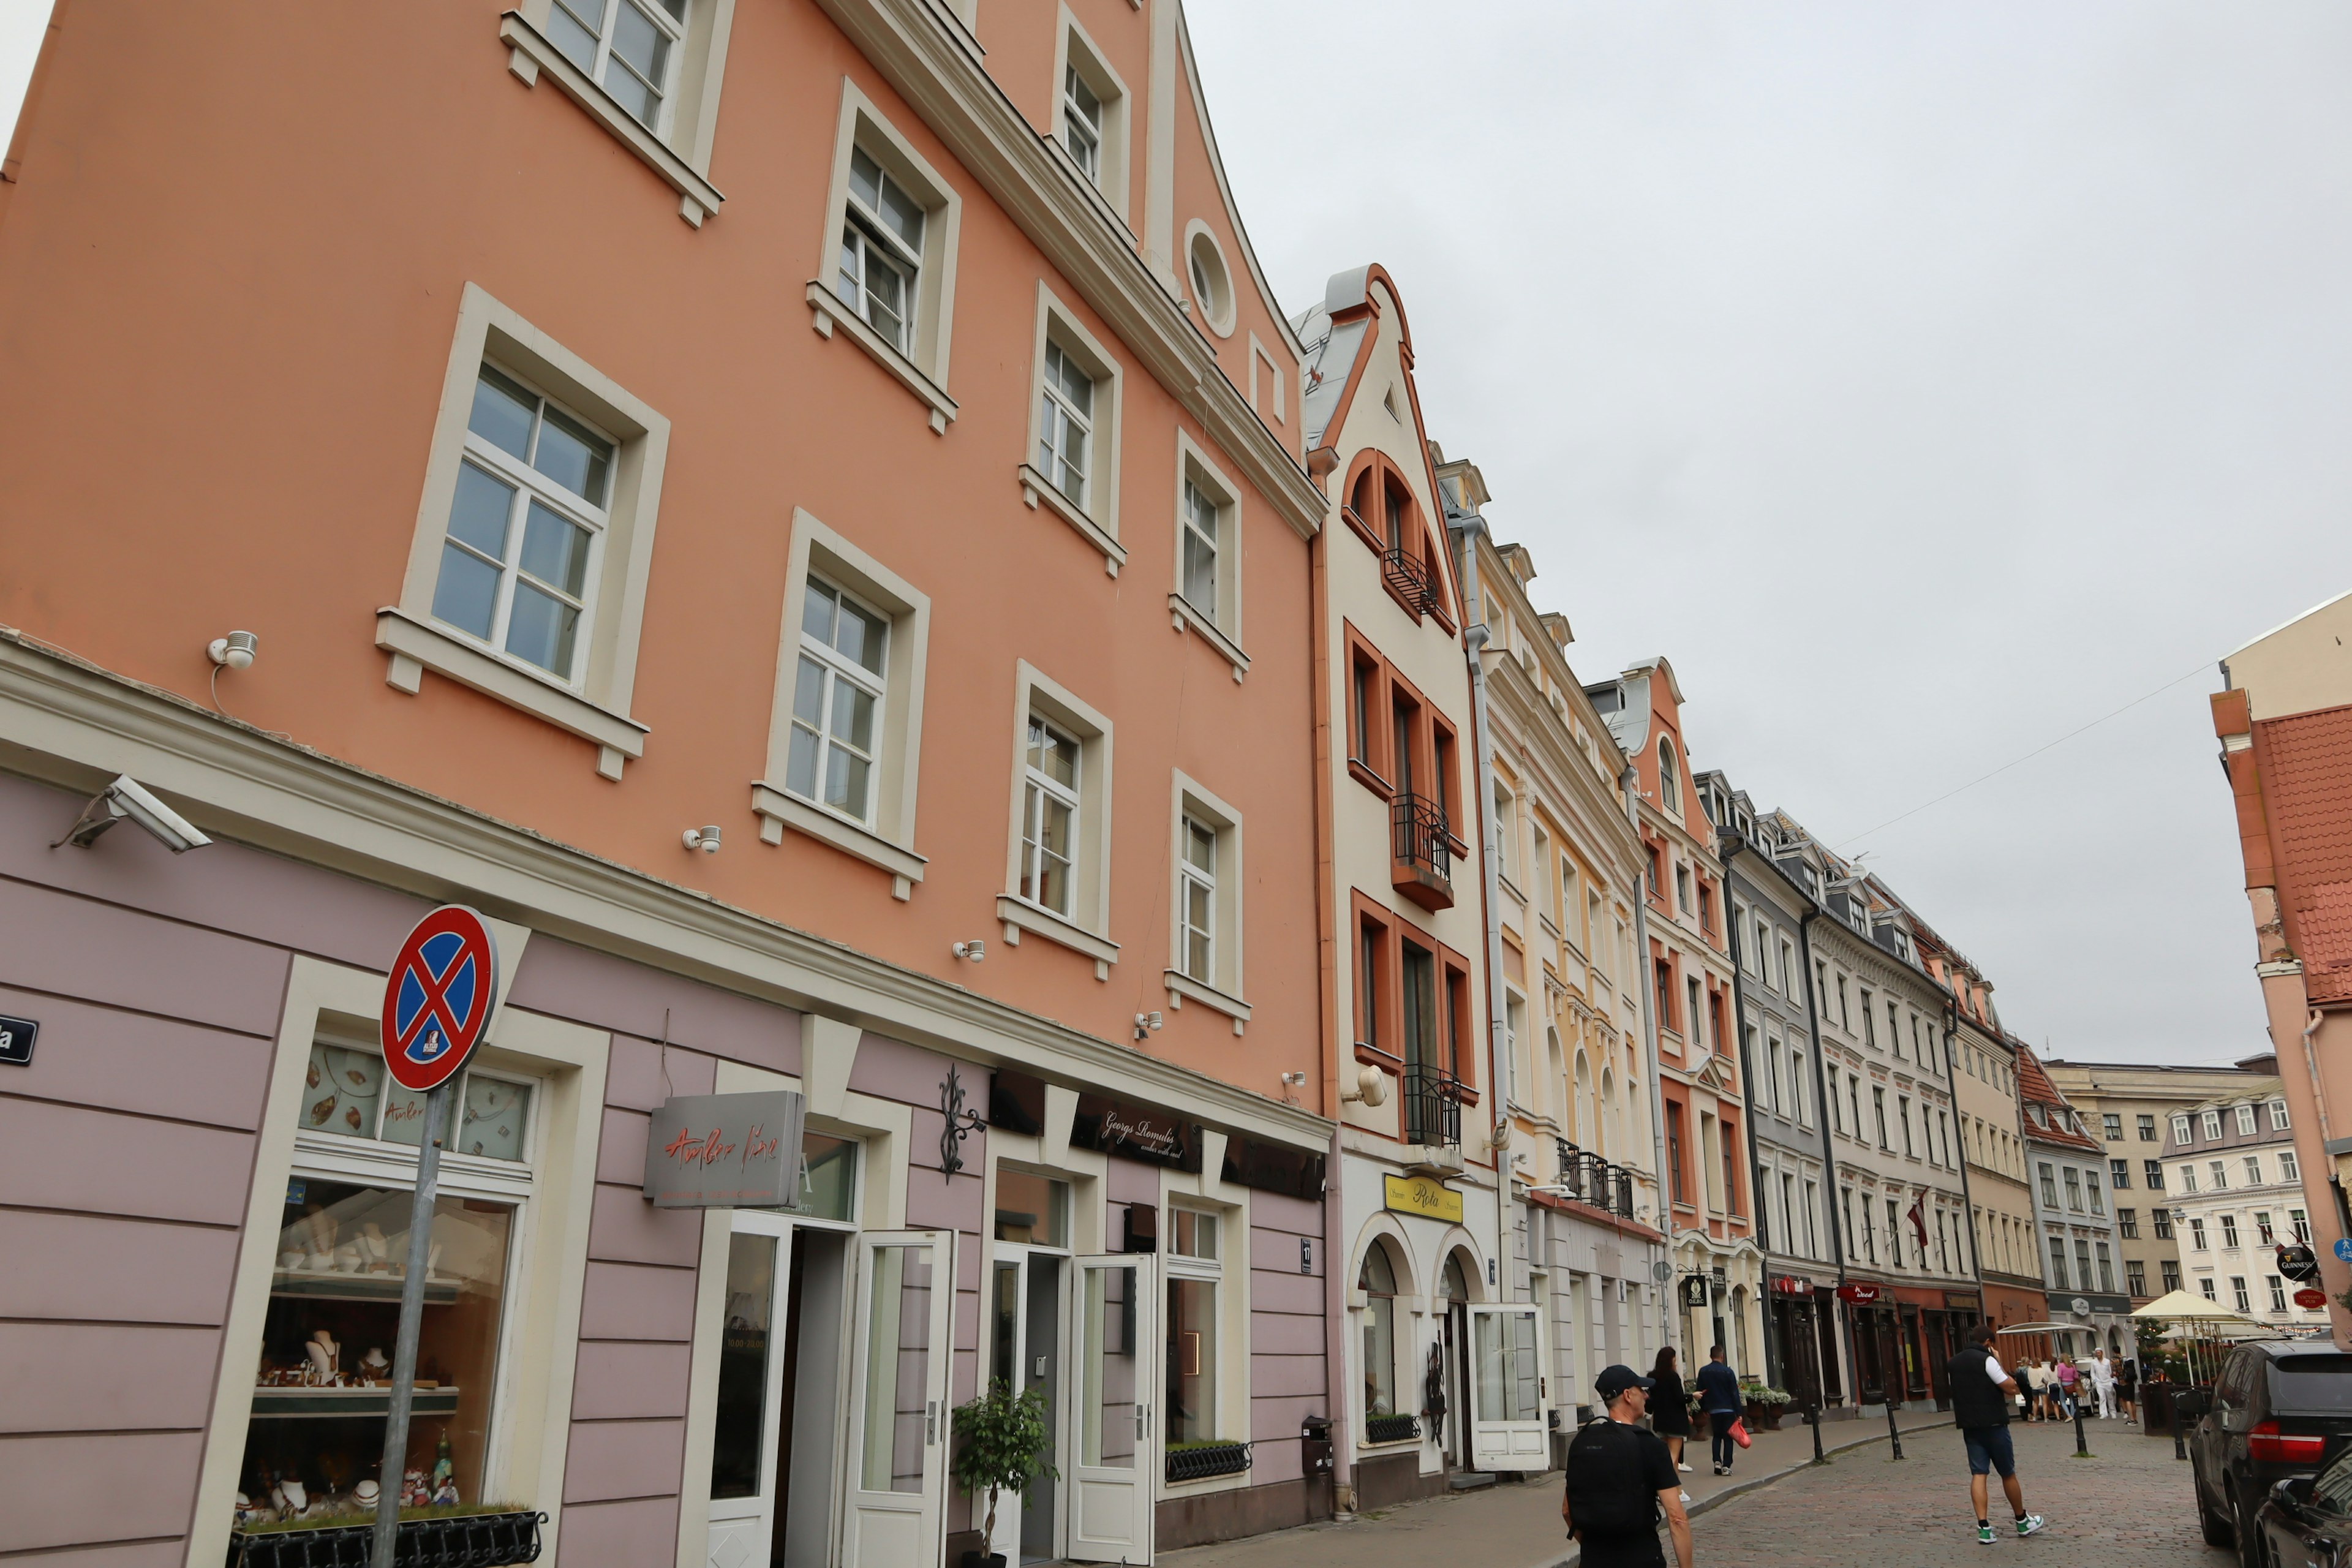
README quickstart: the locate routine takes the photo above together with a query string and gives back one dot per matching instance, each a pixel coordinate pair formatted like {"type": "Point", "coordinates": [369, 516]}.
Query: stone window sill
{"type": "Point", "coordinates": [1020, 915]}
{"type": "Point", "coordinates": [533, 52]}
{"type": "Point", "coordinates": [1183, 615]}
{"type": "Point", "coordinates": [779, 810]}
{"type": "Point", "coordinates": [1182, 986]}
{"type": "Point", "coordinates": [829, 311]}
{"type": "Point", "coordinates": [1035, 487]}
{"type": "Point", "coordinates": [416, 647]}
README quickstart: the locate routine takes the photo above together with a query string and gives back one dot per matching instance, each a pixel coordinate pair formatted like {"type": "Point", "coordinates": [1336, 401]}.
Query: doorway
{"type": "Point", "coordinates": [1449, 1378]}
{"type": "Point", "coordinates": [771, 1462]}
{"type": "Point", "coordinates": [1026, 1322]}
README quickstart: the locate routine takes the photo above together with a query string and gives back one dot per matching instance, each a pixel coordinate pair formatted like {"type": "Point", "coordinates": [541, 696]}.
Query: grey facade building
{"type": "Point", "coordinates": [2080, 1269]}
{"type": "Point", "coordinates": [1780, 1064]}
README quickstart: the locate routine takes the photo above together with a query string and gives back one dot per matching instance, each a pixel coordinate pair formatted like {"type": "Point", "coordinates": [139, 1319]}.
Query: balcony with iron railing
{"type": "Point", "coordinates": [1408, 580]}
{"type": "Point", "coordinates": [1421, 850]}
{"type": "Point", "coordinates": [1433, 1116]}
{"type": "Point", "coordinates": [1587, 1178]}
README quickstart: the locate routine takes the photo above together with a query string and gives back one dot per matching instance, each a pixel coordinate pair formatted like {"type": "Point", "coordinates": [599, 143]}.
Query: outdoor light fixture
{"type": "Point", "coordinates": [233, 651]}
{"type": "Point", "coordinates": [126, 796]}
{"type": "Point", "coordinates": [703, 838]}
{"type": "Point", "coordinates": [1145, 1023]}
{"type": "Point", "coordinates": [1371, 1086]}
{"type": "Point", "coordinates": [973, 952]}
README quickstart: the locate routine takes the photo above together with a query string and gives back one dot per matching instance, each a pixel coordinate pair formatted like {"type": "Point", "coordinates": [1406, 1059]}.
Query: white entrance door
{"type": "Point", "coordinates": [899, 1414]}
{"type": "Point", "coordinates": [751, 1374]}
{"type": "Point", "coordinates": [1506, 1420]}
{"type": "Point", "coordinates": [1114, 1443]}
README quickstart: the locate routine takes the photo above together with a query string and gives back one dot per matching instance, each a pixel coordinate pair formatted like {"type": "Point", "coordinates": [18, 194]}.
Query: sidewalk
{"type": "Point", "coordinates": [1516, 1524]}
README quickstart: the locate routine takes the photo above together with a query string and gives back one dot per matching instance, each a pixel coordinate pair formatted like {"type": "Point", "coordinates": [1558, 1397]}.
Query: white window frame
{"type": "Point", "coordinates": [1076, 52]}
{"type": "Point", "coordinates": [2287, 1171]}
{"type": "Point", "coordinates": [887, 841]}
{"type": "Point", "coordinates": [2181, 1134]}
{"type": "Point", "coordinates": [678, 149]}
{"type": "Point", "coordinates": [565, 15]}
{"type": "Point", "coordinates": [1095, 520]}
{"type": "Point", "coordinates": [2212, 1120]}
{"type": "Point", "coordinates": [1086, 929]}
{"type": "Point", "coordinates": [594, 704]}
{"type": "Point", "coordinates": [531, 1411]}
{"type": "Point", "coordinates": [1216, 305]}
{"type": "Point", "coordinates": [1222, 992]}
{"type": "Point", "coordinates": [2245, 1121]}
{"type": "Point", "coordinates": [1218, 623]}
{"type": "Point", "coordinates": [2278, 1116]}
{"type": "Point", "coordinates": [922, 366]}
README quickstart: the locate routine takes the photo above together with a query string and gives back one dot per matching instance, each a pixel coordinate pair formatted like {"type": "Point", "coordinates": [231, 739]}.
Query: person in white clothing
{"type": "Point", "coordinates": [2103, 1384]}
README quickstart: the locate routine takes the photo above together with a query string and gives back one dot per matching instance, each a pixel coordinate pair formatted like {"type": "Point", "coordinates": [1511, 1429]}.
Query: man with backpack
{"type": "Point", "coordinates": [1981, 1395]}
{"type": "Point", "coordinates": [1621, 1481]}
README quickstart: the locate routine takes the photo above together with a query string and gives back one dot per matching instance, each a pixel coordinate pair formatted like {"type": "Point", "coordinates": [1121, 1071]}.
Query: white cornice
{"type": "Point", "coordinates": [965, 108]}
{"type": "Point", "coordinates": [67, 722]}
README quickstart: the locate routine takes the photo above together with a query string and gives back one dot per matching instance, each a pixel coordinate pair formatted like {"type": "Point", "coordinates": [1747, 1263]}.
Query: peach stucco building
{"type": "Point", "coordinates": [801, 513]}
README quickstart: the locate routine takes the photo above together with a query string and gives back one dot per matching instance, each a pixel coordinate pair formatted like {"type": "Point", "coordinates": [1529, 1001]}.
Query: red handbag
{"type": "Point", "coordinates": [1739, 1434]}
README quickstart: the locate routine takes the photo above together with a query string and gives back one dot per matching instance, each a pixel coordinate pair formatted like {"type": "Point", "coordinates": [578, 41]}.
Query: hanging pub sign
{"type": "Point", "coordinates": [1156, 1137]}
{"type": "Point", "coordinates": [725, 1151]}
{"type": "Point", "coordinates": [1860, 1293]}
{"type": "Point", "coordinates": [1697, 1290]}
{"type": "Point", "coordinates": [2298, 1263]}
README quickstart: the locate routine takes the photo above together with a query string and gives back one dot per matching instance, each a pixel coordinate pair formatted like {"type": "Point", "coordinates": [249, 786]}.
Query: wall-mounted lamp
{"type": "Point", "coordinates": [703, 838]}
{"type": "Point", "coordinates": [233, 651]}
{"type": "Point", "coordinates": [1371, 1086]}
{"type": "Point", "coordinates": [1145, 1023]}
{"type": "Point", "coordinates": [972, 951]}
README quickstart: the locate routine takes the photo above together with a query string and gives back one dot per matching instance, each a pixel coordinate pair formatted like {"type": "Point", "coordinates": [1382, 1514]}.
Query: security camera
{"type": "Point", "coordinates": [126, 796]}
{"type": "Point", "coordinates": [235, 651]}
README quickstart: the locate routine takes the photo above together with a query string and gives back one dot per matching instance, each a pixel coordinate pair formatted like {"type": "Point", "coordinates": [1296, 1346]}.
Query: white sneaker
{"type": "Point", "coordinates": [1683, 1468]}
{"type": "Point", "coordinates": [1685, 1495]}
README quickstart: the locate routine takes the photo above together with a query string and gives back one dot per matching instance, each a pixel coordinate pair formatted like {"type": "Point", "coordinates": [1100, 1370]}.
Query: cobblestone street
{"type": "Point", "coordinates": [2127, 1504]}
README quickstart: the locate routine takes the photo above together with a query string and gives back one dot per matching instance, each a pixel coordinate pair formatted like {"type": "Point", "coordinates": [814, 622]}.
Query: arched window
{"type": "Point", "coordinates": [1378, 1281]}
{"type": "Point", "coordinates": [1453, 1284]}
{"type": "Point", "coordinates": [1608, 1127]}
{"type": "Point", "coordinates": [1670, 787]}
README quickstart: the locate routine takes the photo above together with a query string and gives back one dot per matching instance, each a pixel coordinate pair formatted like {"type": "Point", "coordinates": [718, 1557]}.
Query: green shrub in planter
{"type": "Point", "coordinates": [1001, 1441]}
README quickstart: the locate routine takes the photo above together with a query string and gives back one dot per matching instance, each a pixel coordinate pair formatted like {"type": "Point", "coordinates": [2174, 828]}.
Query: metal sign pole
{"type": "Point", "coordinates": [391, 1479]}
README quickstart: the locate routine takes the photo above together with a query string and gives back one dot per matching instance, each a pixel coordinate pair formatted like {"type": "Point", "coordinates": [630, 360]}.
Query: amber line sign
{"type": "Point", "coordinates": [725, 1151]}
{"type": "Point", "coordinates": [1419, 1194]}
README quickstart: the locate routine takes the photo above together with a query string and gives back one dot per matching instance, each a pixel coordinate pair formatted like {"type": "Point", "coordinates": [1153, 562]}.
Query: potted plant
{"type": "Point", "coordinates": [1001, 1441]}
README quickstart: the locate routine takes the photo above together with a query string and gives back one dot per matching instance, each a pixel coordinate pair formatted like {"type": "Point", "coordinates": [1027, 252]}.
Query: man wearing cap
{"type": "Point", "coordinates": [1620, 1480]}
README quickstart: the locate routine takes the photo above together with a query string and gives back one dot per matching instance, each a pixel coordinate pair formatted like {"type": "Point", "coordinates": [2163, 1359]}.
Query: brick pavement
{"type": "Point", "coordinates": [2126, 1505]}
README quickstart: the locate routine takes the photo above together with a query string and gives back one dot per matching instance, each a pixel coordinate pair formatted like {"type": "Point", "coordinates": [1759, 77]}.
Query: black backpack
{"type": "Point", "coordinates": [1605, 1456]}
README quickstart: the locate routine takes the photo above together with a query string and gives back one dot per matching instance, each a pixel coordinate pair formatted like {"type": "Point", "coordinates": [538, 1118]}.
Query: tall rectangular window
{"type": "Point", "coordinates": [2229, 1231]}
{"type": "Point", "coordinates": [1200, 550]}
{"type": "Point", "coordinates": [2107, 1268]}
{"type": "Point", "coordinates": [2154, 1171]}
{"type": "Point", "coordinates": [2074, 1189]}
{"type": "Point", "coordinates": [1065, 424]}
{"type": "Point", "coordinates": [2220, 1174]}
{"type": "Point", "coordinates": [1197, 900]}
{"type": "Point", "coordinates": [2253, 1170]}
{"type": "Point", "coordinates": [1419, 972]}
{"type": "Point", "coordinates": [2278, 1116]}
{"type": "Point", "coordinates": [1049, 817]}
{"type": "Point", "coordinates": [2147, 1129]}
{"type": "Point", "coordinates": [525, 526]}
{"type": "Point", "coordinates": [881, 260]}
{"type": "Point", "coordinates": [2160, 1219]}
{"type": "Point", "coordinates": [2135, 1276]}
{"type": "Point", "coordinates": [1674, 1153]}
{"type": "Point", "coordinates": [2287, 1166]}
{"type": "Point", "coordinates": [1082, 124]}
{"type": "Point", "coordinates": [625, 47]}
{"type": "Point", "coordinates": [2197, 1242]}
{"type": "Point", "coordinates": [1902, 1115]}
{"type": "Point", "coordinates": [1802, 1105]}
{"type": "Point", "coordinates": [837, 698]}
{"type": "Point", "coordinates": [2058, 1262]}
{"type": "Point", "coordinates": [2127, 1224]}
{"type": "Point", "coordinates": [1878, 1104]}
{"type": "Point", "coordinates": [2238, 1296]}
{"type": "Point", "coordinates": [2119, 1174]}
{"type": "Point", "coordinates": [2245, 1121]}
{"type": "Point", "coordinates": [2212, 1125]}
{"type": "Point", "coordinates": [2048, 1185]}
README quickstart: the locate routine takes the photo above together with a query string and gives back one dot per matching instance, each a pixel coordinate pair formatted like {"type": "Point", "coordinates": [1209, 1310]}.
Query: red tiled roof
{"type": "Point", "coordinates": [2033, 1087]}
{"type": "Point", "coordinates": [2306, 773]}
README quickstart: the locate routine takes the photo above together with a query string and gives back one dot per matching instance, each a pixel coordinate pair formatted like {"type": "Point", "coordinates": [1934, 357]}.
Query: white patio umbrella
{"type": "Point", "coordinates": [2213, 1320]}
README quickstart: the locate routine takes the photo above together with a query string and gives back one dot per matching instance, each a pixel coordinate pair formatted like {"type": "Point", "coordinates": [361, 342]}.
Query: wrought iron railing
{"type": "Point", "coordinates": [1199, 1462]}
{"type": "Point", "coordinates": [1590, 1179]}
{"type": "Point", "coordinates": [463, 1540]}
{"type": "Point", "coordinates": [1423, 836]}
{"type": "Point", "coordinates": [1391, 1429]}
{"type": "Point", "coordinates": [1432, 1107]}
{"type": "Point", "coordinates": [1410, 578]}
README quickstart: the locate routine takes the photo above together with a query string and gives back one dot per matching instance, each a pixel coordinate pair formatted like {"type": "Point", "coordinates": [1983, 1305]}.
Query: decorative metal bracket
{"type": "Point", "coordinates": [961, 1123]}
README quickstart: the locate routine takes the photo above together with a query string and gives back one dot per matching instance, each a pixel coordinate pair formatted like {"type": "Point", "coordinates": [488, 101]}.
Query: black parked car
{"type": "Point", "coordinates": [2306, 1521]}
{"type": "Point", "coordinates": [2267, 1419]}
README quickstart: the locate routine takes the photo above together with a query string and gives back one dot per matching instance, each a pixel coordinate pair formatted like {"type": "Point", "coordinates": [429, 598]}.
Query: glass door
{"type": "Point", "coordinates": [898, 1416]}
{"type": "Point", "coordinates": [1027, 1318]}
{"type": "Point", "coordinates": [743, 1491]}
{"type": "Point", "coordinates": [1506, 1420]}
{"type": "Point", "coordinates": [1114, 1443]}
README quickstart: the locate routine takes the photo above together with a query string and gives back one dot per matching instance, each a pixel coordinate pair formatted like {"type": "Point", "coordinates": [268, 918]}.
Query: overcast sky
{"type": "Point", "coordinates": [1924, 380]}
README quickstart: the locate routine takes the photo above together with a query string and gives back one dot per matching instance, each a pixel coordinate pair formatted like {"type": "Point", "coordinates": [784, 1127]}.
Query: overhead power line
{"type": "Point", "coordinates": [2202, 666]}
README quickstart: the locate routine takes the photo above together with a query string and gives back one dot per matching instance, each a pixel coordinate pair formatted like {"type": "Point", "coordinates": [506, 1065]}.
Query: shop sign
{"type": "Point", "coordinates": [1857, 1293]}
{"type": "Point", "coordinates": [437, 1003]}
{"type": "Point", "coordinates": [725, 1150]}
{"type": "Point", "coordinates": [2308, 1298]}
{"type": "Point", "coordinates": [2298, 1263]}
{"type": "Point", "coordinates": [1274, 1168]}
{"type": "Point", "coordinates": [1963, 1301]}
{"type": "Point", "coordinates": [1156, 1137]}
{"type": "Point", "coordinates": [1420, 1196]}
{"type": "Point", "coordinates": [1788, 1284]}
{"type": "Point", "coordinates": [17, 1037]}
{"type": "Point", "coordinates": [1697, 1290]}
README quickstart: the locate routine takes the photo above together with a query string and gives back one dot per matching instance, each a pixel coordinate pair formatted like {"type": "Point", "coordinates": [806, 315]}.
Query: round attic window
{"type": "Point", "coordinates": [1213, 286]}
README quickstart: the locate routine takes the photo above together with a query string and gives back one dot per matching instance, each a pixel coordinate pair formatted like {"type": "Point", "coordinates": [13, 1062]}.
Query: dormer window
{"type": "Point", "coordinates": [1670, 788]}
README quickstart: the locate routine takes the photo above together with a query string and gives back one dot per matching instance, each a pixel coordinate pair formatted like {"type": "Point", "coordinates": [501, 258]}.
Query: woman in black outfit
{"type": "Point", "coordinates": [1670, 1406]}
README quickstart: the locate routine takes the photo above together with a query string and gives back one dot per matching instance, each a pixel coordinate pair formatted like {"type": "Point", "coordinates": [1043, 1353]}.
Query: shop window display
{"type": "Point", "coordinates": [323, 1368]}
{"type": "Point", "coordinates": [1193, 1274]}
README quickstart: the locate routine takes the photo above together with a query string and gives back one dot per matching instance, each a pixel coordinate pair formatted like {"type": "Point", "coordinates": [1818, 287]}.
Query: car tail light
{"type": "Point", "coordinates": [2267, 1444]}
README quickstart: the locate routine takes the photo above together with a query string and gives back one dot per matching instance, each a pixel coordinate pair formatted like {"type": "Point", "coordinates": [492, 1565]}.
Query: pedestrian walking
{"type": "Point", "coordinates": [1719, 1396]}
{"type": "Point", "coordinates": [2127, 1388]}
{"type": "Point", "coordinates": [1670, 1406]}
{"type": "Point", "coordinates": [2068, 1377]}
{"type": "Point", "coordinates": [1981, 1395]}
{"type": "Point", "coordinates": [2103, 1384]}
{"type": "Point", "coordinates": [2031, 1374]}
{"type": "Point", "coordinates": [1622, 1481]}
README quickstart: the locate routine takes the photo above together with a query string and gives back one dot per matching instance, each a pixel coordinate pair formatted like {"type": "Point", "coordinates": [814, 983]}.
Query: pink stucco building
{"type": "Point", "coordinates": [858, 427]}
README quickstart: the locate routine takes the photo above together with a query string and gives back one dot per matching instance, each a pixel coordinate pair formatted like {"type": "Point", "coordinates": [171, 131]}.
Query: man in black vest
{"type": "Point", "coordinates": [1981, 1395]}
{"type": "Point", "coordinates": [1619, 1479]}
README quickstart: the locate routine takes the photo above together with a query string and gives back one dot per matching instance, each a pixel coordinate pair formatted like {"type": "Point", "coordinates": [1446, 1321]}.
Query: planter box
{"type": "Point", "coordinates": [1391, 1429]}
{"type": "Point", "coordinates": [1199, 1462]}
{"type": "Point", "coordinates": [464, 1540]}
{"type": "Point", "coordinates": [1763, 1417]}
